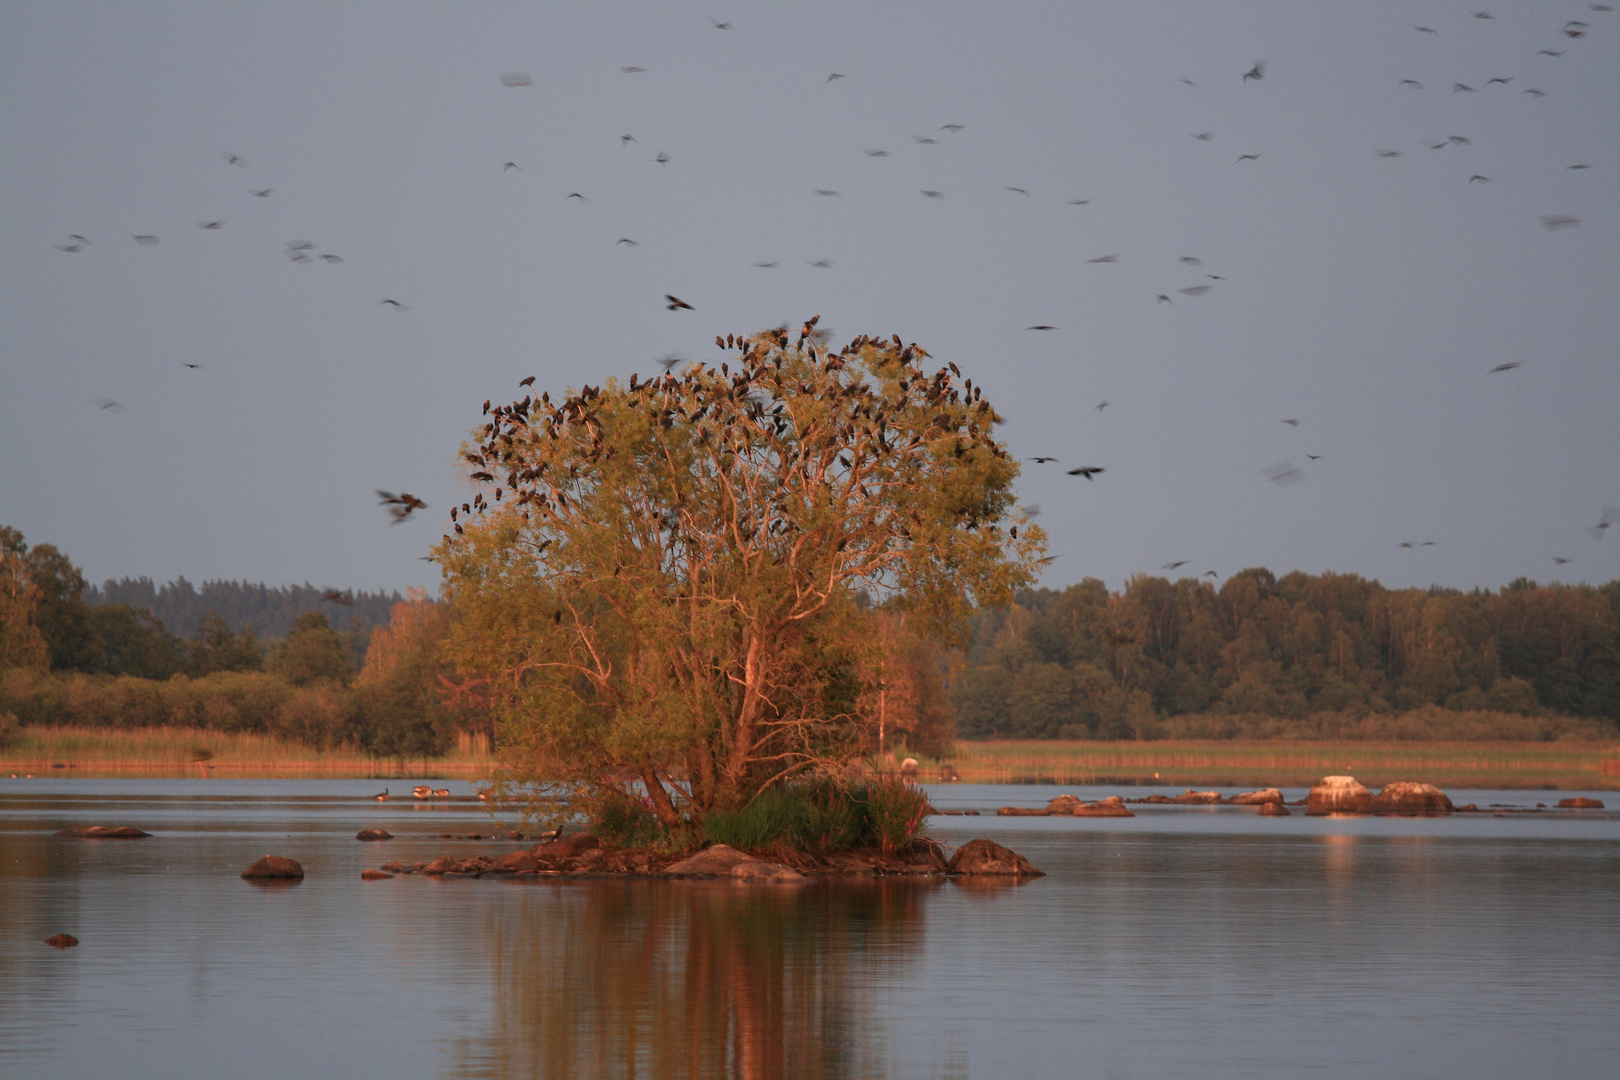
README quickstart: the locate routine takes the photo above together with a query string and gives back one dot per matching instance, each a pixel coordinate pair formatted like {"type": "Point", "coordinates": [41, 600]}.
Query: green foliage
{"type": "Point", "coordinates": [622, 821]}
{"type": "Point", "coordinates": [132, 641]}
{"type": "Point", "coordinates": [215, 648]}
{"type": "Point", "coordinates": [313, 652]}
{"type": "Point", "coordinates": [1274, 652]}
{"type": "Point", "coordinates": [660, 579]}
{"type": "Point", "coordinates": [59, 611]}
{"type": "Point", "coordinates": [270, 610]}
{"type": "Point", "coordinates": [885, 813]}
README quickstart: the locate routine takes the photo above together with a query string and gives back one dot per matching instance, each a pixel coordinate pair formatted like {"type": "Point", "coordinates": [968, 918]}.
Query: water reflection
{"type": "Point", "coordinates": [692, 980]}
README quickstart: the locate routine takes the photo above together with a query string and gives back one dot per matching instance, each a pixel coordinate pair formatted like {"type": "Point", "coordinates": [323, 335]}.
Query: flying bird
{"type": "Point", "coordinates": [1183, 80]}
{"type": "Point", "coordinates": [1533, 92]}
{"type": "Point", "coordinates": [1257, 72]}
{"type": "Point", "coordinates": [1042, 460]}
{"type": "Point", "coordinates": [1577, 166]}
{"type": "Point", "coordinates": [1413, 83]}
{"type": "Point", "coordinates": [662, 158]}
{"type": "Point", "coordinates": [1610, 516]}
{"type": "Point", "coordinates": [626, 140]}
{"type": "Point", "coordinates": [71, 249]}
{"type": "Point", "coordinates": [632, 70]}
{"type": "Point", "coordinates": [1481, 177]}
{"type": "Point", "coordinates": [1500, 79]}
{"type": "Point", "coordinates": [395, 304]}
{"type": "Point", "coordinates": [1504, 367]}
{"type": "Point", "coordinates": [1105, 258]}
{"type": "Point", "coordinates": [625, 240]}
{"type": "Point", "coordinates": [1191, 260]}
{"type": "Point", "coordinates": [924, 140]}
{"type": "Point", "coordinates": [718, 25]}
{"type": "Point", "coordinates": [188, 364]}
{"type": "Point", "coordinates": [1195, 290]}
{"type": "Point", "coordinates": [1087, 471]}
{"type": "Point", "coordinates": [934, 194]}
{"type": "Point", "coordinates": [146, 238]}
{"type": "Point", "coordinates": [1282, 474]}
{"type": "Point", "coordinates": [232, 159]}
{"type": "Point", "coordinates": [1461, 88]}
{"type": "Point", "coordinates": [575, 195]}
{"type": "Point", "coordinates": [675, 303]}
{"type": "Point", "coordinates": [835, 75]}
{"type": "Point", "coordinates": [1458, 140]}
{"type": "Point", "coordinates": [1211, 573]}
{"type": "Point", "coordinates": [1559, 221]}
{"type": "Point", "coordinates": [953, 128]}
{"type": "Point", "coordinates": [335, 597]}
{"type": "Point", "coordinates": [516, 78]}
{"type": "Point", "coordinates": [109, 405]}
{"type": "Point", "coordinates": [1203, 136]}
{"type": "Point", "coordinates": [1389, 153]}
{"type": "Point", "coordinates": [510, 165]}
{"type": "Point", "coordinates": [1173, 565]}
{"type": "Point", "coordinates": [822, 264]}
{"type": "Point", "coordinates": [1078, 202]}
{"type": "Point", "coordinates": [1295, 423]}
{"type": "Point", "coordinates": [1483, 15]}
{"type": "Point", "coordinates": [1427, 30]}
{"type": "Point", "coordinates": [1101, 405]}
{"type": "Point", "coordinates": [210, 224]}
{"type": "Point", "coordinates": [1552, 52]}
{"type": "Point", "coordinates": [669, 360]}
{"type": "Point", "coordinates": [825, 191]}
{"type": "Point", "coordinates": [1314, 457]}
{"type": "Point", "coordinates": [768, 265]}
{"type": "Point", "coordinates": [1559, 560]}
{"type": "Point", "coordinates": [1165, 299]}
{"type": "Point", "coordinates": [1250, 157]}
{"type": "Point", "coordinates": [1040, 326]}
{"type": "Point", "coordinates": [403, 505]}
{"type": "Point", "coordinates": [330, 258]}
{"type": "Point", "coordinates": [1019, 190]}
{"type": "Point", "coordinates": [261, 193]}
{"type": "Point", "coordinates": [875, 153]}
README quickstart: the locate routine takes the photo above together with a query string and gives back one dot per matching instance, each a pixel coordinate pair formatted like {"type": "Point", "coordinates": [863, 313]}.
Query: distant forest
{"type": "Point", "coordinates": [1264, 651]}
{"type": "Point", "coordinates": [269, 612]}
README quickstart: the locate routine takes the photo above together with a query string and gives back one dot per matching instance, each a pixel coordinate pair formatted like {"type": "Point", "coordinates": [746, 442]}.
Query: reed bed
{"type": "Point", "coordinates": [1564, 764]}
{"type": "Point", "coordinates": [161, 752]}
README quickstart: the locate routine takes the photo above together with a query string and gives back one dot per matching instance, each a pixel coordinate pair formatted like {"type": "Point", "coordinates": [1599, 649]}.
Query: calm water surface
{"type": "Point", "coordinates": [1203, 942]}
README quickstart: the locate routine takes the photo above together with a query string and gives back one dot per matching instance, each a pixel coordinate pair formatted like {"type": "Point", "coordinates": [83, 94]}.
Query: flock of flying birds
{"type": "Point", "coordinates": [403, 505]}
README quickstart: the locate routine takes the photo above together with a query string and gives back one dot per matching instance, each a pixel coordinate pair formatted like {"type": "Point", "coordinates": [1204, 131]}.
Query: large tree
{"type": "Point", "coordinates": [660, 578]}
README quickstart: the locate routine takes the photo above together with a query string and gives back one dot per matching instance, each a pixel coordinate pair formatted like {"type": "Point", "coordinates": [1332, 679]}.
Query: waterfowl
{"type": "Point", "coordinates": [421, 791]}
{"type": "Point", "coordinates": [441, 793]}
{"type": "Point", "coordinates": [383, 797]}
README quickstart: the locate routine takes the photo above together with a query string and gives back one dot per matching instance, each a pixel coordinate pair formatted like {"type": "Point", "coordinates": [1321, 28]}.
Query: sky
{"type": "Point", "coordinates": [261, 401]}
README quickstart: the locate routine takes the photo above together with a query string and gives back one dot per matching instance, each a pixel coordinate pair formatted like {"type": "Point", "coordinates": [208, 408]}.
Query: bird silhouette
{"type": "Point", "coordinates": [1389, 153]}
{"type": "Point", "coordinates": [1461, 88]}
{"type": "Point", "coordinates": [875, 153]}
{"type": "Point", "coordinates": [1203, 136]}
{"type": "Point", "coordinates": [835, 76]}
{"type": "Point", "coordinates": [145, 238]}
{"type": "Point", "coordinates": [188, 364]}
{"type": "Point", "coordinates": [626, 140]}
{"type": "Point", "coordinates": [232, 159]}
{"type": "Point", "coordinates": [1087, 471]}
{"type": "Point", "coordinates": [1427, 30]}
{"type": "Point", "coordinates": [576, 195]}
{"type": "Point", "coordinates": [1173, 565]}
{"type": "Point", "coordinates": [1079, 202]}
{"type": "Point", "coordinates": [1211, 573]}
{"type": "Point", "coordinates": [510, 165]}
{"type": "Point", "coordinates": [395, 304]}
{"type": "Point", "coordinates": [662, 158]}
{"type": "Point", "coordinates": [1559, 221]}
{"type": "Point", "coordinates": [1165, 299]}
{"type": "Point", "coordinates": [1483, 15]}
{"type": "Point", "coordinates": [1040, 326]}
{"type": "Point", "coordinates": [822, 264]}
{"type": "Point", "coordinates": [108, 405]}
{"type": "Point", "coordinates": [1282, 474]}
{"type": "Point", "coordinates": [526, 382]}
{"type": "Point", "coordinates": [825, 191]}
{"type": "Point", "coordinates": [675, 303]}
{"type": "Point", "coordinates": [924, 140]}
{"type": "Point", "coordinates": [1191, 260]}
{"type": "Point", "coordinates": [210, 224]}
{"type": "Point", "coordinates": [768, 265]}
{"type": "Point", "coordinates": [402, 506]}
{"type": "Point", "coordinates": [1018, 190]}
{"type": "Point", "coordinates": [262, 193]}
{"type": "Point", "coordinates": [1413, 83]}
{"type": "Point", "coordinates": [625, 240]}
{"type": "Point", "coordinates": [1504, 367]}
{"type": "Point", "coordinates": [632, 70]}
{"type": "Point", "coordinates": [515, 78]}
{"type": "Point", "coordinates": [1559, 560]}
{"type": "Point", "coordinates": [1195, 290]}
{"type": "Point", "coordinates": [1295, 423]}
{"type": "Point", "coordinates": [336, 597]}
{"type": "Point", "coordinates": [71, 249]}
{"type": "Point", "coordinates": [1250, 157]}
{"type": "Point", "coordinates": [1577, 167]}
{"type": "Point", "coordinates": [1500, 79]}
{"type": "Point", "coordinates": [1533, 92]}
{"type": "Point", "coordinates": [1610, 516]}
{"type": "Point", "coordinates": [1314, 457]}
{"type": "Point", "coordinates": [1101, 405]}
{"type": "Point", "coordinates": [669, 360]}
{"type": "Point", "coordinates": [1042, 460]}
{"type": "Point", "coordinates": [1480, 177]}
{"type": "Point", "coordinates": [934, 194]}
{"type": "Point", "coordinates": [1552, 52]}
{"type": "Point", "coordinates": [952, 128]}
{"type": "Point", "coordinates": [1257, 72]}
{"type": "Point", "coordinates": [718, 25]}
{"type": "Point", "coordinates": [1105, 258]}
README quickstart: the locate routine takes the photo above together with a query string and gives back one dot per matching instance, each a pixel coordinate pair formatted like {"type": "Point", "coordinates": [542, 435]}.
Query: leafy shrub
{"type": "Point", "coordinates": [825, 814]}
{"type": "Point", "coordinates": [626, 822]}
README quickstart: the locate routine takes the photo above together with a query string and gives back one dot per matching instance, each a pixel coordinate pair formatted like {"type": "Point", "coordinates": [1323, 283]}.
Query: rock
{"type": "Point", "coordinates": [1468, 808]}
{"type": "Point", "coordinates": [61, 941]}
{"type": "Point", "coordinates": [517, 862]}
{"type": "Point", "coordinates": [1064, 804]}
{"type": "Point", "coordinates": [848, 862]}
{"type": "Point", "coordinates": [1257, 798]}
{"type": "Point", "coordinates": [1579, 803]}
{"type": "Point", "coordinates": [397, 867]}
{"type": "Point", "coordinates": [373, 834]}
{"type": "Point", "coordinates": [106, 832]}
{"type": "Point", "coordinates": [1275, 809]}
{"type": "Point", "coordinates": [990, 858]}
{"type": "Point", "coordinates": [1113, 806]}
{"type": "Point", "coordinates": [768, 873]}
{"type": "Point", "coordinates": [948, 774]}
{"type": "Point", "coordinates": [1407, 797]}
{"type": "Point", "coordinates": [1023, 811]}
{"type": "Point", "coordinates": [908, 767]}
{"type": "Point", "coordinates": [714, 861]}
{"type": "Point", "coordinates": [565, 847]}
{"type": "Point", "coordinates": [1338, 795]}
{"type": "Point", "coordinates": [376, 875]}
{"type": "Point", "coordinates": [274, 866]}
{"type": "Point", "coordinates": [444, 864]}
{"type": "Point", "coordinates": [1198, 798]}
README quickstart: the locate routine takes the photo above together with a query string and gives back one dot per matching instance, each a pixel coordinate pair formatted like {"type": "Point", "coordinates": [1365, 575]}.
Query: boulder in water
{"type": "Point", "coordinates": [373, 834]}
{"type": "Point", "coordinates": [717, 860]}
{"type": "Point", "coordinates": [987, 857]}
{"type": "Point", "coordinates": [767, 873]}
{"type": "Point", "coordinates": [1064, 804]}
{"type": "Point", "coordinates": [61, 941]}
{"type": "Point", "coordinates": [375, 875]}
{"type": "Point", "coordinates": [1198, 798]}
{"type": "Point", "coordinates": [1579, 803]}
{"type": "Point", "coordinates": [274, 866]}
{"type": "Point", "coordinates": [1407, 797]}
{"type": "Point", "coordinates": [1257, 798]}
{"type": "Point", "coordinates": [1338, 795]}
{"type": "Point", "coordinates": [1274, 809]}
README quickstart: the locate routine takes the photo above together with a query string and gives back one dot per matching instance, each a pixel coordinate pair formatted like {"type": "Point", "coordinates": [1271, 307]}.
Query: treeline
{"type": "Point", "coordinates": [65, 661]}
{"type": "Point", "coordinates": [1308, 655]}
{"type": "Point", "coordinates": [269, 611]}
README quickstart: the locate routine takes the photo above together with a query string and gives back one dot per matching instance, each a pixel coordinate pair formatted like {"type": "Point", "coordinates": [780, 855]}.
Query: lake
{"type": "Point", "coordinates": [1184, 942]}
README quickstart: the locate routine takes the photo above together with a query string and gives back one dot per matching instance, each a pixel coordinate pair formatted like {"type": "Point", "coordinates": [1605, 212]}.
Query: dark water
{"type": "Point", "coordinates": [1201, 942]}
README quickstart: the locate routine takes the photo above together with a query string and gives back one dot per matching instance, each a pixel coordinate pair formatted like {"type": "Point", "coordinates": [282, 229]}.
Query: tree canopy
{"type": "Point", "coordinates": [662, 580]}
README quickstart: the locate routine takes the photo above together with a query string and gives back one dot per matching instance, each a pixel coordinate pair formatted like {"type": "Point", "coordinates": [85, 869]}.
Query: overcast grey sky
{"type": "Point", "coordinates": [1365, 296]}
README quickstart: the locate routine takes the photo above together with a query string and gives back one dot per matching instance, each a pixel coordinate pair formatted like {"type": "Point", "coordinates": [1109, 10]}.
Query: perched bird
{"type": "Point", "coordinates": [403, 505]}
{"type": "Point", "coordinates": [675, 303]}
{"type": "Point", "coordinates": [526, 382]}
{"type": "Point", "coordinates": [515, 78]}
{"type": "Point", "coordinates": [146, 238]}
{"type": "Point", "coordinates": [381, 796]}
{"type": "Point", "coordinates": [1257, 72]}
{"type": "Point", "coordinates": [510, 165]}
{"type": "Point", "coordinates": [1504, 367]}
{"type": "Point", "coordinates": [335, 597]}
{"type": "Point", "coordinates": [1087, 471]}
{"type": "Point", "coordinates": [1040, 326]}
{"type": "Point", "coordinates": [1105, 258]}
{"type": "Point", "coordinates": [1173, 565]}
{"type": "Point", "coordinates": [934, 194]}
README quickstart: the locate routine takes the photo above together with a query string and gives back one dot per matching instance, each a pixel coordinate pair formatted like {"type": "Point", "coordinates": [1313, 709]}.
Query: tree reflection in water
{"type": "Point", "coordinates": [692, 979]}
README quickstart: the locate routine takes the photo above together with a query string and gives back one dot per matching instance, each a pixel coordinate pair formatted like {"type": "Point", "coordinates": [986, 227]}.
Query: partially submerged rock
{"type": "Point", "coordinates": [1258, 798]}
{"type": "Point", "coordinates": [1580, 803]}
{"type": "Point", "coordinates": [768, 873]}
{"type": "Point", "coordinates": [61, 941]}
{"type": "Point", "coordinates": [717, 860]}
{"type": "Point", "coordinates": [1064, 804]}
{"type": "Point", "coordinates": [1338, 795]}
{"type": "Point", "coordinates": [1408, 797]}
{"type": "Point", "coordinates": [105, 832]}
{"type": "Point", "coordinates": [1023, 811]}
{"type": "Point", "coordinates": [987, 857]}
{"type": "Point", "coordinates": [272, 867]}
{"type": "Point", "coordinates": [1198, 798]}
{"type": "Point", "coordinates": [1113, 806]}
{"type": "Point", "coordinates": [1274, 809]}
{"type": "Point", "coordinates": [373, 834]}
{"type": "Point", "coordinates": [375, 875]}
